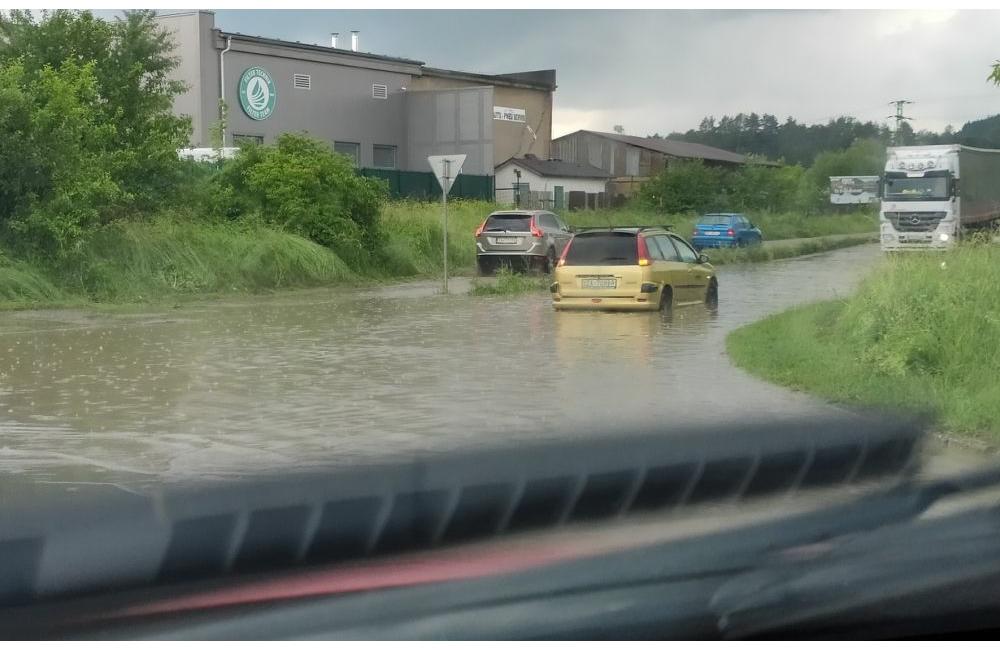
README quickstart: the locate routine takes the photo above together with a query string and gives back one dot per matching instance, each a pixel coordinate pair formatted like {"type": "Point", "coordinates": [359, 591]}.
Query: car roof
{"type": "Point", "coordinates": [632, 230]}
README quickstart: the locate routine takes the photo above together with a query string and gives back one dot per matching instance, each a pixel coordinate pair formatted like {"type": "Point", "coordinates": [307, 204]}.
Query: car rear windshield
{"type": "Point", "coordinates": [716, 220]}
{"type": "Point", "coordinates": [508, 222]}
{"type": "Point", "coordinates": [602, 249]}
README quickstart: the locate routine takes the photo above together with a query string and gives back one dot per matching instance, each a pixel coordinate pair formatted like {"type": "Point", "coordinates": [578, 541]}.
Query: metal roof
{"type": "Point", "coordinates": [674, 148]}
{"type": "Point", "coordinates": [263, 40]}
{"type": "Point", "coordinates": [558, 168]}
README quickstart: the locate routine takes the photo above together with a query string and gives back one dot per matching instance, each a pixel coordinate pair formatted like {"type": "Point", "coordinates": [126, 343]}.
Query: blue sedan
{"type": "Point", "coordinates": [725, 230]}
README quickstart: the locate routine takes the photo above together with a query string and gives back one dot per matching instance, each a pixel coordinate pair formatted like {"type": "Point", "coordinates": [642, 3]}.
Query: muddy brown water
{"type": "Point", "coordinates": [322, 378]}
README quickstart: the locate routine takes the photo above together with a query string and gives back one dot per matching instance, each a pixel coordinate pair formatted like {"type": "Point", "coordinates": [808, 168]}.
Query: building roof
{"type": "Point", "coordinates": [674, 148]}
{"type": "Point", "coordinates": [263, 40]}
{"type": "Point", "coordinates": [558, 168]}
{"type": "Point", "coordinates": [540, 79]}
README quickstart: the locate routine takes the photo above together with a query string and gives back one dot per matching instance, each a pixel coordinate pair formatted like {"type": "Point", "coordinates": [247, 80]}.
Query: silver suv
{"type": "Point", "coordinates": [523, 239]}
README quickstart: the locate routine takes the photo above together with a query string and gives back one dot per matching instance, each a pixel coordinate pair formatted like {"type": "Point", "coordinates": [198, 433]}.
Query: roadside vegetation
{"type": "Point", "coordinates": [922, 332]}
{"type": "Point", "coordinates": [96, 206]}
{"type": "Point", "coordinates": [508, 283]}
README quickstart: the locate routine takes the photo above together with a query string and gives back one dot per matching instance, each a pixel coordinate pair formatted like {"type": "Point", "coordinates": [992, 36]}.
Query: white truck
{"type": "Point", "coordinates": [932, 194]}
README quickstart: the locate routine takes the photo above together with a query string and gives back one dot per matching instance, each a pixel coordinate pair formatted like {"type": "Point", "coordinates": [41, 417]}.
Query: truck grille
{"type": "Point", "coordinates": [915, 221]}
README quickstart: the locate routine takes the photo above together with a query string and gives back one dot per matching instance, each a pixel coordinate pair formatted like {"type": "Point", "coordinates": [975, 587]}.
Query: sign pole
{"type": "Point", "coordinates": [446, 168]}
{"type": "Point", "coordinates": [444, 208]}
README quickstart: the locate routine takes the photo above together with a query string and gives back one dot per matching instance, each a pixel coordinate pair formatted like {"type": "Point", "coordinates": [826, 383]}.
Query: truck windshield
{"type": "Point", "coordinates": [917, 189]}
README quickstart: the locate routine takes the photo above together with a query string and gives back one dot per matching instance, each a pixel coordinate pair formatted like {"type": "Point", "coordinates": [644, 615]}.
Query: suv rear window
{"type": "Point", "coordinates": [602, 249]}
{"type": "Point", "coordinates": [508, 222]}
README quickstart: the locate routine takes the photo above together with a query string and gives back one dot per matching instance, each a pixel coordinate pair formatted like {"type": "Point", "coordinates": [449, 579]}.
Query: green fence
{"type": "Point", "coordinates": [423, 185]}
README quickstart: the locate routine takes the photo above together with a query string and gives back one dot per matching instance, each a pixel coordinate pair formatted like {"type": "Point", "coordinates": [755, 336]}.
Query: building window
{"type": "Point", "coordinates": [302, 81]}
{"type": "Point", "coordinates": [350, 149]}
{"type": "Point", "coordinates": [240, 140]}
{"type": "Point", "coordinates": [380, 91]}
{"type": "Point", "coordinates": [384, 156]}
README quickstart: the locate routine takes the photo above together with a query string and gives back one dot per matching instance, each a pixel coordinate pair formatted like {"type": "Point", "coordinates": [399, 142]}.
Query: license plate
{"type": "Point", "coordinates": [712, 232]}
{"type": "Point", "coordinates": [506, 240]}
{"type": "Point", "coordinates": [599, 283]}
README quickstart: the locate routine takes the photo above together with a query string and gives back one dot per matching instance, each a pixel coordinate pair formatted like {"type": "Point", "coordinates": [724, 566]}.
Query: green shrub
{"type": "Point", "coordinates": [301, 186]}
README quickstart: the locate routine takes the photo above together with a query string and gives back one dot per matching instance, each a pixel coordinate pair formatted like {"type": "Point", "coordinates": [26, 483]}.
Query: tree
{"type": "Point", "coordinates": [54, 181]}
{"type": "Point", "coordinates": [131, 60]}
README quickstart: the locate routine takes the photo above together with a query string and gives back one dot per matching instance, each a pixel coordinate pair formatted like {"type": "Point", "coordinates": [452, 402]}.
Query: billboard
{"type": "Point", "coordinates": [853, 189]}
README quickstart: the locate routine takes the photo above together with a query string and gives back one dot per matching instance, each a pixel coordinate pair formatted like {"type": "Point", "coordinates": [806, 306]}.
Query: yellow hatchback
{"type": "Point", "coordinates": [632, 268]}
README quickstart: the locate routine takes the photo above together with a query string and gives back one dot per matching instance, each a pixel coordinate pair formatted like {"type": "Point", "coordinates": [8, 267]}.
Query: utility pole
{"type": "Point", "coordinates": [899, 117]}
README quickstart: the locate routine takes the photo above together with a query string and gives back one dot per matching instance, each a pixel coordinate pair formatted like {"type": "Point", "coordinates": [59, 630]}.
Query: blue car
{"type": "Point", "coordinates": [725, 230]}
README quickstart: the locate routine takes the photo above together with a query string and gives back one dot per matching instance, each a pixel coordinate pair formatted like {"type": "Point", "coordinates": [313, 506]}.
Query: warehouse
{"type": "Point", "coordinates": [631, 160]}
{"type": "Point", "coordinates": [387, 113]}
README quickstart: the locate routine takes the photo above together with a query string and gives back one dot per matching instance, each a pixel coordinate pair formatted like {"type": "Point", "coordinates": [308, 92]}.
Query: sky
{"type": "Point", "coordinates": [664, 70]}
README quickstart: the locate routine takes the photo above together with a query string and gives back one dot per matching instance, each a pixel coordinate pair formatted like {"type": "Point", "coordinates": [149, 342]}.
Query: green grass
{"type": "Point", "coordinates": [144, 262]}
{"type": "Point", "coordinates": [508, 283]}
{"type": "Point", "coordinates": [173, 257]}
{"type": "Point", "coordinates": [781, 251]}
{"type": "Point", "coordinates": [917, 335]}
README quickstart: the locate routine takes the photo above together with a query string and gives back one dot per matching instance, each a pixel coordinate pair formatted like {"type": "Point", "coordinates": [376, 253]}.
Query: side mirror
{"type": "Point", "coordinates": [702, 258]}
{"type": "Point", "coordinates": [571, 229]}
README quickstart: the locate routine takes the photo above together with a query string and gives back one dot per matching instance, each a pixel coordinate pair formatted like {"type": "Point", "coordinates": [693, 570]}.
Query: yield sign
{"type": "Point", "coordinates": [446, 168]}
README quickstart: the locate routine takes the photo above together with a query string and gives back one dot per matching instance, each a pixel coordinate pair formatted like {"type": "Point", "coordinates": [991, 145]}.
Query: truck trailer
{"type": "Point", "coordinates": [933, 194]}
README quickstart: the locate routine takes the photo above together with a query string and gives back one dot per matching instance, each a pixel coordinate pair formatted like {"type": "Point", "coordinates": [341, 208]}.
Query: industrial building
{"type": "Point", "coordinates": [387, 113]}
{"type": "Point", "coordinates": [630, 160]}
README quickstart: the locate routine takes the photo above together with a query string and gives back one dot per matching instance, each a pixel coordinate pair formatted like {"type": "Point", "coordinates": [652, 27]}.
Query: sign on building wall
{"type": "Point", "coordinates": [509, 114]}
{"type": "Point", "coordinates": [853, 189]}
{"type": "Point", "coordinates": [257, 93]}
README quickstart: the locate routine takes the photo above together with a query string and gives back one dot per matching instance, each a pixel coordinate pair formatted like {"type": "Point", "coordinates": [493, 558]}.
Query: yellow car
{"type": "Point", "coordinates": [632, 268]}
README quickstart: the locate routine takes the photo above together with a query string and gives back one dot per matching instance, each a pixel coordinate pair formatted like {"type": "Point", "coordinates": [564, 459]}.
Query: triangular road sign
{"type": "Point", "coordinates": [446, 168]}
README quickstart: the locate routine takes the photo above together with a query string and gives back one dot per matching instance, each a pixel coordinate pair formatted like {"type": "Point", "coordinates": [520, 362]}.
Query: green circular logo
{"type": "Point", "coordinates": [257, 94]}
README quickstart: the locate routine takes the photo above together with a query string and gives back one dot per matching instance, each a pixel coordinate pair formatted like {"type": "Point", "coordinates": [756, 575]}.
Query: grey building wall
{"type": "Point", "coordinates": [338, 108]}
{"type": "Point", "coordinates": [185, 28]}
{"type": "Point", "coordinates": [448, 121]}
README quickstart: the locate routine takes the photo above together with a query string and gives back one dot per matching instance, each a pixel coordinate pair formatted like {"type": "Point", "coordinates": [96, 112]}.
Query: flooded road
{"type": "Point", "coordinates": [320, 378]}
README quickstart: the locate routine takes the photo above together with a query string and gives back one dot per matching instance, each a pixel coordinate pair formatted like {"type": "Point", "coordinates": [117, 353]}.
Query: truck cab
{"type": "Point", "coordinates": [920, 205]}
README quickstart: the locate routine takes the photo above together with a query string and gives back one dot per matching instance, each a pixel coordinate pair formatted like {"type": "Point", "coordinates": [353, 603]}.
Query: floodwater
{"type": "Point", "coordinates": [322, 378]}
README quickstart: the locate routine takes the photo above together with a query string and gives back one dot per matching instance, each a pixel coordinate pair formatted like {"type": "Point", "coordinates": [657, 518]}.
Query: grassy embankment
{"type": "Point", "coordinates": [169, 259]}
{"type": "Point", "coordinates": [922, 332]}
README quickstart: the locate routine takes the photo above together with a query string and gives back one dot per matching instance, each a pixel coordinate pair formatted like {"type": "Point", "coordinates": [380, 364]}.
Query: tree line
{"type": "Point", "coordinates": [796, 143]}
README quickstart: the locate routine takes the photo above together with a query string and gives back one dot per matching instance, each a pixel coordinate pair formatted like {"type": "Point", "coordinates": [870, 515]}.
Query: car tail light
{"type": "Point", "coordinates": [562, 258]}
{"type": "Point", "coordinates": [479, 230]}
{"type": "Point", "coordinates": [731, 232]}
{"type": "Point", "coordinates": [535, 232]}
{"type": "Point", "coordinates": [643, 251]}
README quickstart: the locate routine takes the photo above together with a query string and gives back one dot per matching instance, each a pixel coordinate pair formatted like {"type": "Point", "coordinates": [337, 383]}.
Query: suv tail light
{"type": "Point", "coordinates": [643, 251]}
{"type": "Point", "coordinates": [535, 232]}
{"type": "Point", "coordinates": [562, 258]}
{"type": "Point", "coordinates": [479, 230]}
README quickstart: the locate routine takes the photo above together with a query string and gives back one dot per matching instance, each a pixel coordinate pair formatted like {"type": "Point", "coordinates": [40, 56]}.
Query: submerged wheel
{"type": "Point", "coordinates": [666, 300]}
{"type": "Point", "coordinates": [712, 295]}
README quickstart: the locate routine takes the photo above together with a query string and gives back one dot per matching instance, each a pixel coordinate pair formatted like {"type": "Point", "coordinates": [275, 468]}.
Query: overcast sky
{"type": "Point", "coordinates": [660, 71]}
